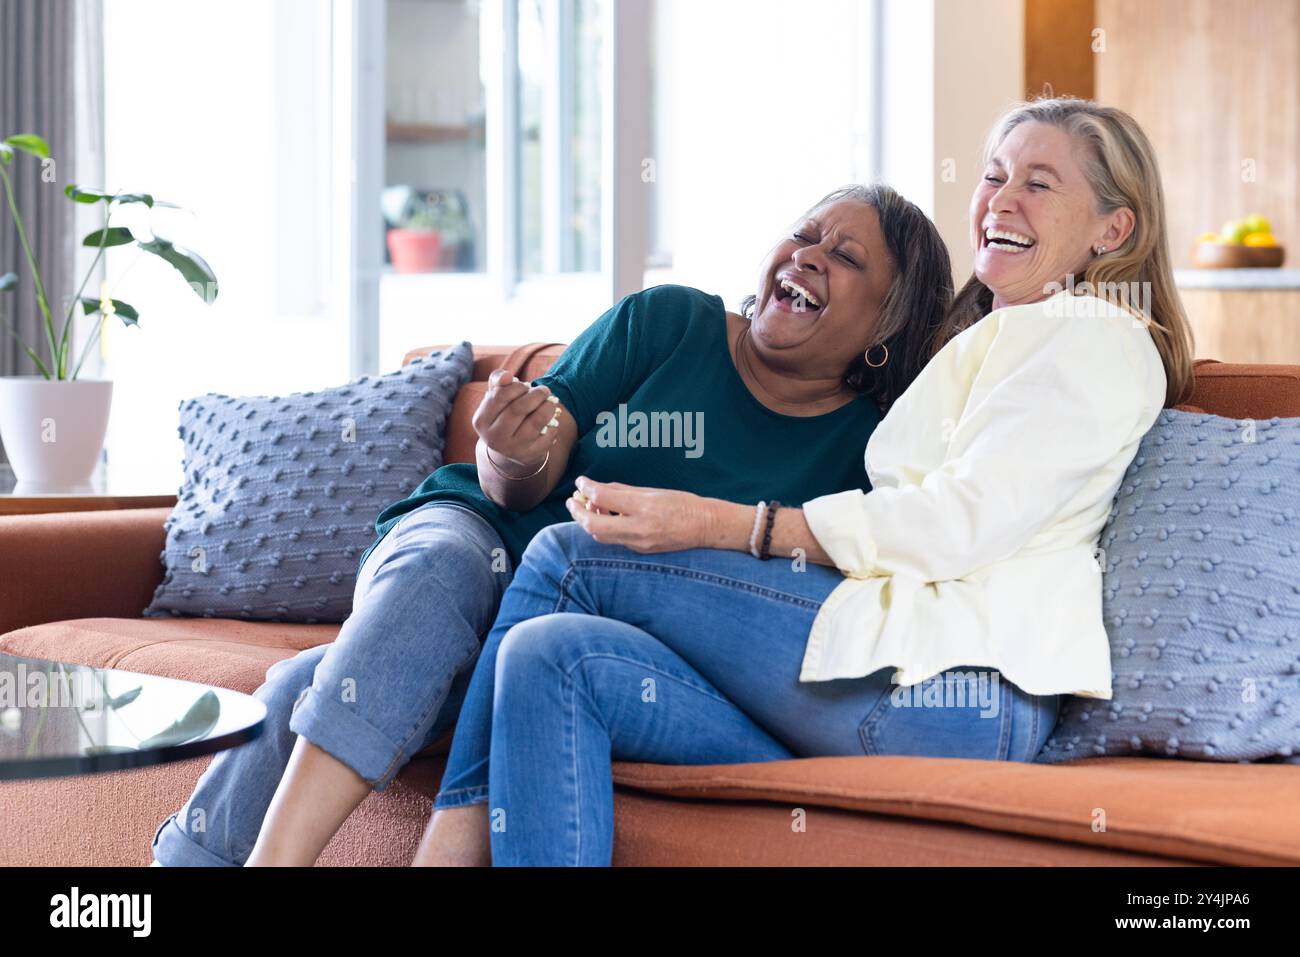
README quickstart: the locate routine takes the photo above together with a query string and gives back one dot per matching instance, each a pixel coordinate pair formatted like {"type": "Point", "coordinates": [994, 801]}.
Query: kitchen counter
{"type": "Point", "coordinates": [1232, 279]}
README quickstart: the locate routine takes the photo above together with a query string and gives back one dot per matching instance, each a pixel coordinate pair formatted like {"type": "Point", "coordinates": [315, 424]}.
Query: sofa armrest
{"type": "Point", "coordinates": [79, 565]}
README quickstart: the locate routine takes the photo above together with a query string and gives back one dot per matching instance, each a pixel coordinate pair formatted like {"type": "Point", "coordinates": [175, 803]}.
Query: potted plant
{"type": "Point", "coordinates": [53, 424]}
{"type": "Point", "coordinates": [416, 245]}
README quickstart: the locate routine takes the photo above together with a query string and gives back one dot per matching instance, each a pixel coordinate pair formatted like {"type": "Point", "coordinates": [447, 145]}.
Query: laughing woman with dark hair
{"type": "Point", "coordinates": [863, 276]}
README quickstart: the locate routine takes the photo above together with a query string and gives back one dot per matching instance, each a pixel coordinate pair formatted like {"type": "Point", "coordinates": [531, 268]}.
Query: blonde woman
{"type": "Point", "coordinates": [941, 613]}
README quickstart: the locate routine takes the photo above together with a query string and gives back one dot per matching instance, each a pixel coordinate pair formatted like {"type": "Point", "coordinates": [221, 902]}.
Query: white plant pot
{"type": "Point", "coordinates": [53, 432]}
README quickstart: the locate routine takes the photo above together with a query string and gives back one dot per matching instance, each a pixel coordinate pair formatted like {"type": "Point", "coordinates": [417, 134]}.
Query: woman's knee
{"type": "Point", "coordinates": [287, 679]}
{"type": "Point", "coordinates": [540, 644]}
{"type": "Point", "coordinates": [442, 554]}
{"type": "Point", "coordinates": [557, 544]}
{"type": "Point", "coordinates": [566, 642]}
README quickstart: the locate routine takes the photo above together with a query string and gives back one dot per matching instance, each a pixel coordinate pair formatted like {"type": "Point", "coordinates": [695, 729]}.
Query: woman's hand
{"type": "Point", "coordinates": [645, 520]}
{"type": "Point", "coordinates": [659, 520]}
{"type": "Point", "coordinates": [517, 422]}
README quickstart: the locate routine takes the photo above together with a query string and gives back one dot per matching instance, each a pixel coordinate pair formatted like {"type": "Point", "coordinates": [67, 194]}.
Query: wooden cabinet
{"type": "Point", "coordinates": [1245, 325]}
{"type": "Point", "coordinates": [1216, 86]}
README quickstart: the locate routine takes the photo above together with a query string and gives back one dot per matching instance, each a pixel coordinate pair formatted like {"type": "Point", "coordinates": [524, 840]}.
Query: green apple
{"type": "Point", "coordinates": [1234, 231]}
{"type": "Point", "coordinates": [1257, 224]}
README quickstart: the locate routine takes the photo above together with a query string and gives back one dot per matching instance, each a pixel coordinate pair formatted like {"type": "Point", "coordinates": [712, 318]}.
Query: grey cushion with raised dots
{"type": "Point", "coordinates": [280, 494]}
{"type": "Point", "coordinates": [1201, 597]}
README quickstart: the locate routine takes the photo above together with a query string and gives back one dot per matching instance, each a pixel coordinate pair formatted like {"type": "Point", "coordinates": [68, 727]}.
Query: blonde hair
{"type": "Point", "coordinates": [1120, 166]}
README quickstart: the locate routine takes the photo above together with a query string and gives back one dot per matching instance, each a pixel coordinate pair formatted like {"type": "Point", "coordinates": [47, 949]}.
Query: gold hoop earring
{"type": "Point", "coordinates": [876, 365]}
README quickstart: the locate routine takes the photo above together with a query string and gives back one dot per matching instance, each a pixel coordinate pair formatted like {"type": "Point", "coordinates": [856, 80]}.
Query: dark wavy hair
{"type": "Point", "coordinates": [915, 320]}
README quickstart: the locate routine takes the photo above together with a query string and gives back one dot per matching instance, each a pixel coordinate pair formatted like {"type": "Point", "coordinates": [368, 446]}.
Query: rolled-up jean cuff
{"type": "Point", "coordinates": [172, 847]}
{"type": "Point", "coordinates": [460, 797]}
{"type": "Point", "coordinates": [347, 736]}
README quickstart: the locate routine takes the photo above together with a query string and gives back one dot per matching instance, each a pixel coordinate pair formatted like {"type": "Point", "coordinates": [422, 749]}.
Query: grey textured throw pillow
{"type": "Point", "coordinates": [1201, 596]}
{"type": "Point", "coordinates": [280, 495]}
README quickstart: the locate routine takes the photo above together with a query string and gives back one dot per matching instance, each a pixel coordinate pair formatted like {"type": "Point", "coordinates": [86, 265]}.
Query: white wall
{"type": "Point", "coordinates": [979, 68]}
{"type": "Point", "coordinates": [908, 99]}
{"type": "Point", "coordinates": [951, 68]}
{"type": "Point", "coordinates": [766, 118]}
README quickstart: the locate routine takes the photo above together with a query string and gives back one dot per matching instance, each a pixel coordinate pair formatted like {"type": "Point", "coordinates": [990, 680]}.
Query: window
{"type": "Point", "coordinates": [524, 154]}
{"type": "Point", "coordinates": [435, 158]}
{"type": "Point", "coordinates": [561, 49]}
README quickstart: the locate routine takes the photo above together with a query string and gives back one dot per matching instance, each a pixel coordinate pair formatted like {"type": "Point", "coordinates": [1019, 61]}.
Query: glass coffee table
{"type": "Point", "coordinates": [59, 719]}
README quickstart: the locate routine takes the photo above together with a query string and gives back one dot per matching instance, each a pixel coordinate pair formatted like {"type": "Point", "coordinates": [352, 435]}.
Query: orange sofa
{"type": "Point", "coordinates": [72, 587]}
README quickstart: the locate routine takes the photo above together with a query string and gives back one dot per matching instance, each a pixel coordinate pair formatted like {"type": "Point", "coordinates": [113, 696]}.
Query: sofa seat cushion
{"type": "Point", "coordinates": [216, 651]}
{"type": "Point", "coordinates": [1233, 814]}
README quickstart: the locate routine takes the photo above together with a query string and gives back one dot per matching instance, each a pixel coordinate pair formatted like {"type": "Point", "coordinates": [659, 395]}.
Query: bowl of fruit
{"type": "Point", "coordinates": [1241, 244]}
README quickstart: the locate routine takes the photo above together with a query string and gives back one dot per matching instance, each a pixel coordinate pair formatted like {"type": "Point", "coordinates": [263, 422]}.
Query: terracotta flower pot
{"type": "Point", "coordinates": [415, 250]}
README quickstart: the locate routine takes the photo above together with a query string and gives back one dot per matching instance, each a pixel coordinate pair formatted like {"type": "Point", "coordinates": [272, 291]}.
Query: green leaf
{"type": "Point", "coordinates": [36, 360]}
{"type": "Point", "coordinates": [29, 143]}
{"type": "Point", "coordinates": [81, 195]}
{"type": "Point", "coordinates": [123, 310]}
{"type": "Point", "coordinates": [190, 265]}
{"type": "Point", "coordinates": [8, 281]}
{"type": "Point", "coordinates": [112, 236]}
{"type": "Point", "coordinates": [77, 194]}
{"type": "Point", "coordinates": [124, 699]}
{"type": "Point", "coordinates": [195, 723]}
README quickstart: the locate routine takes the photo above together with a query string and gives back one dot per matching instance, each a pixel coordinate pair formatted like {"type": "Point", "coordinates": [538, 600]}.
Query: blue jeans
{"type": "Point", "coordinates": [602, 654]}
{"type": "Point", "coordinates": [389, 686]}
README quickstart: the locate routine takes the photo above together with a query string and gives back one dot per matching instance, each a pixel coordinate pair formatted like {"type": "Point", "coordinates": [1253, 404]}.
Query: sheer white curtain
{"type": "Point", "coordinates": [50, 85]}
{"type": "Point", "coordinates": [223, 109]}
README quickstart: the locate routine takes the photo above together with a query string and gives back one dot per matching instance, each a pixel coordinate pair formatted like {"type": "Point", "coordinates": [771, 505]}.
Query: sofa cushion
{"type": "Point", "coordinates": [651, 830]}
{"type": "Point", "coordinates": [1219, 813]}
{"type": "Point", "coordinates": [281, 494]}
{"type": "Point", "coordinates": [222, 652]}
{"type": "Point", "coordinates": [1201, 598]}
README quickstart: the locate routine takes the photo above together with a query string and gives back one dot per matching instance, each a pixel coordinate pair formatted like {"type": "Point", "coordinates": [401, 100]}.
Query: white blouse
{"type": "Point", "coordinates": [992, 477]}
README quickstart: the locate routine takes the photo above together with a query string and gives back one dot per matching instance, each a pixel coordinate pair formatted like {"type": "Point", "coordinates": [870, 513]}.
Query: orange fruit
{"type": "Point", "coordinates": [1259, 239]}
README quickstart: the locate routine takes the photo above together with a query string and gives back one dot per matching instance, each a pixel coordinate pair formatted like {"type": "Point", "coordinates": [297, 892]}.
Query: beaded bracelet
{"type": "Point", "coordinates": [766, 551]}
{"type": "Point", "coordinates": [758, 523]}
